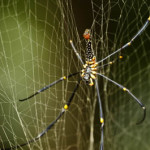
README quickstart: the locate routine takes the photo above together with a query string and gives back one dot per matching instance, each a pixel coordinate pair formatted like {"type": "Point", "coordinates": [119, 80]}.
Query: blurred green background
{"type": "Point", "coordinates": [35, 51]}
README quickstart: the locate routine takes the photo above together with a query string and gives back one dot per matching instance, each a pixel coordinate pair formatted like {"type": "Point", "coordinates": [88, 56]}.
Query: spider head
{"type": "Point", "coordinates": [87, 34]}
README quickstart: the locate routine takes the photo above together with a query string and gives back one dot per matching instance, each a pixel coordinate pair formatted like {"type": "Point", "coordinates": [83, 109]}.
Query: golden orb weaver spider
{"type": "Point", "coordinates": [88, 74]}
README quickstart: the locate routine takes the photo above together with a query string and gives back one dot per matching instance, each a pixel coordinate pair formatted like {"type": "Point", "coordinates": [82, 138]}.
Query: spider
{"type": "Point", "coordinates": [88, 74]}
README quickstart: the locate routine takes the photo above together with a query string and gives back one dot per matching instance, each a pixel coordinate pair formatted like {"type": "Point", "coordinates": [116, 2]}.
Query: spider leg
{"type": "Point", "coordinates": [101, 116]}
{"type": "Point", "coordinates": [129, 43]}
{"type": "Point", "coordinates": [133, 96]}
{"type": "Point", "coordinates": [66, 106]}
{"type": "Point", "coordinates": [79, 57]}
{"type": "Point", "coordinates": [50, 85]}
{"type": "Point", "coordinates": [105, 65]}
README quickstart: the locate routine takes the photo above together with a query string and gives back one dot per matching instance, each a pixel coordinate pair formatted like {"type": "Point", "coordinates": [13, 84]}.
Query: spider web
{"type": "Point", "coordinates": [35, 51]}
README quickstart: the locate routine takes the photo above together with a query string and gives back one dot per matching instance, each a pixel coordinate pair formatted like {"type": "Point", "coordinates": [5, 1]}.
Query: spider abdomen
{"type": "Point", "coordinates": [89, 52]}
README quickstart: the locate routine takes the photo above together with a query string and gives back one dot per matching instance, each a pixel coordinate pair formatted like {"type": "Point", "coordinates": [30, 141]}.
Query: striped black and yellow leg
{"type": "Point", "coordinates": [133, 96]}
{"type": "Point", "coordinates": [105, 65]}
{"type": "Point", "coordinates": [130, 42]}
{"type": "Point", "coordinates": [66, 106]}
{"type": "Point", "coordinates": [79, 57]}
{"type": "Point", "coordinates": [50, 85]}
{"type": "Point", "coordinates": [101, 116]}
